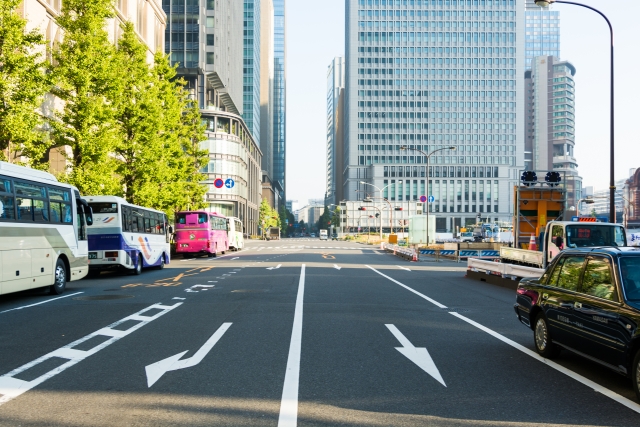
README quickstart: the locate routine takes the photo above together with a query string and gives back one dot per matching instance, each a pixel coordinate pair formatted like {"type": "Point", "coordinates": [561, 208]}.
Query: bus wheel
{"type": "Point", "coordinates": [137, 270]}
{"type": "Point", "coordinates": [161, 266]}
{"type": "Point", "coordinates": [60, 279]}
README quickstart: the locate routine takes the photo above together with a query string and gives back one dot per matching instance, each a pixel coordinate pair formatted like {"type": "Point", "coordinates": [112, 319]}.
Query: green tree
{"type": "Point", "coordinates": [88, 80]}
{"type": "Point", "coordinates": [23, 83]}
{"type": "Point", "coordinates": [268, 216]}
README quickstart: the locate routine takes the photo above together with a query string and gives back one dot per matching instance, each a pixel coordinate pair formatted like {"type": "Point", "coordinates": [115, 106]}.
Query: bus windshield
{"type": "Point", "coordinates": [189, 218]}
{"type": "Point", "coordinates": [100, 208]}
{"type": "Point", "coordinates": [587, 235]}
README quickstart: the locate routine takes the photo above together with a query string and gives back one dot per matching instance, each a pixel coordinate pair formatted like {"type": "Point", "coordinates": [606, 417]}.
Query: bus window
{"type": "Point", "coordinates": [6, 207]}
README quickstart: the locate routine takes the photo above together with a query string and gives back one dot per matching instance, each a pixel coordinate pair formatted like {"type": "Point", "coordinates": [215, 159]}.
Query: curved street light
{"type": "Point", "coordinates": [404, 147]}
{"type": "Point", "coordinates": [612, 182]}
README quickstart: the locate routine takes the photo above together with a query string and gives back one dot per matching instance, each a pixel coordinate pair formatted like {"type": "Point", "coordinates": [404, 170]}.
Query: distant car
{"type": "Point", "coordinates": [587, 302]}
{"type": "Point", "coordinates": [334, 236]}
{"type": "Point", "coordinates": [313, 234]}
{"type": "Point", "coordinates": [466, 236]}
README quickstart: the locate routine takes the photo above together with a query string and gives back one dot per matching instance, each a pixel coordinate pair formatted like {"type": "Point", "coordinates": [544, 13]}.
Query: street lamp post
{"type": "Point", "coordinates": [388, 202]}
{"type": "Point", "coordinates": [404, 147]}
{"type": "Point", "coordinates": [612, 182]}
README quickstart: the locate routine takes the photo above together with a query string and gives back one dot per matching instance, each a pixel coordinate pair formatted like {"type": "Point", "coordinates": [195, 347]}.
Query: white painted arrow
{"type": "Point", "coordinates": [418, 355]}
{"type": "Point", "coordinates": [173, 363]}
{"type": "Point", "coordinates": [404, 268]}
{"type": "Point", "coordinates": [336, 267]}
{"type": "Point", "coordinates": [274, 268]}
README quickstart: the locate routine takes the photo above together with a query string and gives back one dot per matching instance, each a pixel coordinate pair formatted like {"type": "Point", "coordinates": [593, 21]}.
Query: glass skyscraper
{"type": "Point", "coordinates": [251, 68]}
{"type": "Point", "coordinates": [432, 74]}
{"type": "Point", "coordinates": [542, 32]}
{"type": "Point", "coordinates": [279, 116]}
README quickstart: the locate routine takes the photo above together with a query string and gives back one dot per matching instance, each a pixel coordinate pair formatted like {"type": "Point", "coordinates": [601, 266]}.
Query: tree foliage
{"type": "Point", "coordinates": [23, 82]}
{"type": "Point", "coordinates": [158, 149]}
{"type": "Point", "coordinates": [268, 216]}
{"type": "Point", "coordinates": [88, 80]}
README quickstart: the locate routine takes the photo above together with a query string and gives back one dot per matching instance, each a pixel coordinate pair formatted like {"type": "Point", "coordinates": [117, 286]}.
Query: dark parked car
{"type": "Point", "coordinates": [588, 302]}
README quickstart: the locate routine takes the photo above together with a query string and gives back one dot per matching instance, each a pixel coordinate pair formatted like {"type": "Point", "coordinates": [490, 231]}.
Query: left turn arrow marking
{"type": "Point", "coordinates": [173, 363]}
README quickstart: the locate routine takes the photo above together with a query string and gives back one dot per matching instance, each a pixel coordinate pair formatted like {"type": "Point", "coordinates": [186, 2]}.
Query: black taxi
{"type": "Point", "coordinates": [588, 302]}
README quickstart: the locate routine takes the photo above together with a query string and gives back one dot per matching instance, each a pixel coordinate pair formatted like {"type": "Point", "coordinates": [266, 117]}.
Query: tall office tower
{"type": "Point", "coordinates": [280, 92]}
{"type": "Point", "coordinates": [266, 85]}
{"type": "Point", "coordinates": [550, 121]}
{"type": "Point", "coordinates": [251, 67]}
{"type": "Point", "coordinates": [335, 140]}
{"type": "Point", "coordinates": [205, 39]}
{"type": "Point", "coordinates": [542, 32]}
{"type": "Point", "coordinates": [429, 75]}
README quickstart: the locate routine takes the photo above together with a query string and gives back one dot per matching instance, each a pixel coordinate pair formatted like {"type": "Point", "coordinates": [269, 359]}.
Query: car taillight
{"type": "Point", "coordinates": [111, 254]}
{"type": "Point", "coordinates": [533, 295]}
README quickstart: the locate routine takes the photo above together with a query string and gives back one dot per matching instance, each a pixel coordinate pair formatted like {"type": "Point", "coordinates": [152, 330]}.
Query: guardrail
{"type": "Point", "coordinates": [510, 271]}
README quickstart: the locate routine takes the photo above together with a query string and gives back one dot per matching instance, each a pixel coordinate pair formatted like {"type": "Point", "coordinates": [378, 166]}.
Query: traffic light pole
{"type": "Point", "coordinates": [379, 212]}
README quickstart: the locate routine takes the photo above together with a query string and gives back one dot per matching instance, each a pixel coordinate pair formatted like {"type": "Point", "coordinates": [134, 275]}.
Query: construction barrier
{"type": "Point", "coordinates": [403, 252]}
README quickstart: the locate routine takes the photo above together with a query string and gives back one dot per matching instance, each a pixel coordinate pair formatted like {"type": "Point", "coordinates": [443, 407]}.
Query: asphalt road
{"type": "Point", "coordinates": [285, 333]}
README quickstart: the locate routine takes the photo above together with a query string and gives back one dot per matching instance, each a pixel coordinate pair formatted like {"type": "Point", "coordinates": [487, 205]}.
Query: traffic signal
{"type": "Point", "coordinates": [553, 178]}
{"type": "Point", "coordinates": [397, 209]}
{"type": "Point", "coordinates": [329, 222]}
{"type": "Point", "coordinates": [529, 178]}
{"type": "Point", "coordinates": [377, 215]}
{"type": "Point", "coordinates": [361, 208]}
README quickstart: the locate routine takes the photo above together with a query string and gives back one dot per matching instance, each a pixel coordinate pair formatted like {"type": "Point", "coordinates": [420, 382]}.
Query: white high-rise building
{"type": "Point", "coordinates": [429, 75]}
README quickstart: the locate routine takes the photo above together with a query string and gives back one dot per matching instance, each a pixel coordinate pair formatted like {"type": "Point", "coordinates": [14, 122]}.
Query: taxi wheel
{"type": "Point", "coordinates": [635, 374]}
{"type": "Point", "coordinates": [542, 338]}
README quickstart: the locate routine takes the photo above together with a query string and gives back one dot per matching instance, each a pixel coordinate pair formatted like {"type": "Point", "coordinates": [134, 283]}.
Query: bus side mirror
{"type": "Point", "coordinates": [170, 229]}
{"type": "Point", "coordinates": [89, 217]}
{"type": "Point", "coordinates": [88, 212]}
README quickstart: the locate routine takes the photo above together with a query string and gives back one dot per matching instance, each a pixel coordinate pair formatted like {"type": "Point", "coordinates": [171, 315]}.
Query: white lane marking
{"type": "Point", "coordinates": [41, 302]}
{"type": "Point", "coordinates": [178, 298]}
{"type": "Point", "coordinates": [212, 281]}
{"type": "Point", "coordinates": [235, 258]}
{"type": "Point", "coordinates": [289, 404]}
{"type": "Point", "coordinates": [158, 369]}
{"type": "Point", "coordinates": [432, 301]}
{"type": "Point", "coordinates": [203, 288]}
{"type": "Point", "coordinates": [596, 387]}
{"type": "Point", "coordinates": [418, 355]}
{"type": "Point", "coordinates": [404, 268]}
{"type": "Point", "coordinates": [274, 268]}
{"type": "Point", "coordinates": [11, 387]}
{"type": "Point", "coordinates": [336, 267]}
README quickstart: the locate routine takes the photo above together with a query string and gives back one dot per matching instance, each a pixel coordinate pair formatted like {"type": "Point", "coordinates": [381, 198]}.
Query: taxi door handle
{"type": "Point", "coordinates": [577, 305]}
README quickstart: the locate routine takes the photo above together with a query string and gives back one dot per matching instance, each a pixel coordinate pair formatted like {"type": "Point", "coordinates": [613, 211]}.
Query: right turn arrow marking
{"type": "Point", "coordinates": [418, 355]}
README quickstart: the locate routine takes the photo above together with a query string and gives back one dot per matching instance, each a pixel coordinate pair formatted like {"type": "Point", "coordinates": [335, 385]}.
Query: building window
{"type": "Point", "coordinates": [210, 21]}
{"type": "Point", "coordinates": [210, 58]}
{"type": "Point", "coordinates": [210, 39]}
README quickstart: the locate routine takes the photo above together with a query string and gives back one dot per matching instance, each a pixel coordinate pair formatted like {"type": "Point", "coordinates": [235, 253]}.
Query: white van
{"type": "Point", "coordinates": [324, 235]}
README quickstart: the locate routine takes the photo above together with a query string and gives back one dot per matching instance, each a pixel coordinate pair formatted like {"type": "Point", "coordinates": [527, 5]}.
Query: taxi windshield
{"type": "Point", "coordinates": [587, 235]}
{"type": "Point", "coordinates": [630, 273]}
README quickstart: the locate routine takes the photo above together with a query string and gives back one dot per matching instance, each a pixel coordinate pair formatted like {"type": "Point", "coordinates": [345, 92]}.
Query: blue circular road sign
{"type": "Point", "coordinates": [432, 199]}
{"type": "Point", "coordinates": [229, 183]}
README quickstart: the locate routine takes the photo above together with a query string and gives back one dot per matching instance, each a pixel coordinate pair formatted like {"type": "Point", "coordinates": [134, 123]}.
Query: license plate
{"type": "Point", "coordinates": [93, 255]}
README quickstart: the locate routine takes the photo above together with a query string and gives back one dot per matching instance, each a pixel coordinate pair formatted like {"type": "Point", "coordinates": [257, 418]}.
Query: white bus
{"type": "Point", "coordinates": [235, 231]}
{"type": "Point", "coordinates": [43, 233]}
{"type": "Point", "coordinates": [126, 235]}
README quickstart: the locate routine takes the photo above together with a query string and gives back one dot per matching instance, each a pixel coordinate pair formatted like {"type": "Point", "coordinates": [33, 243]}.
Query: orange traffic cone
{"type": "Point", "coordinates": [415, 256]}
{"type": "Point", "coordinates": [532, 243]}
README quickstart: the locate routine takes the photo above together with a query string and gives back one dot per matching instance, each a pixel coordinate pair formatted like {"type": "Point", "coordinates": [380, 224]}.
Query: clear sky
{"type": "Point", "coordinates": [315, 34]}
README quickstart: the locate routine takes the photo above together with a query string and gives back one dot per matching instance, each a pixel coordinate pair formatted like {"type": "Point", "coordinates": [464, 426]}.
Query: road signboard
{"type": "Point", "coordinates": [218, 183]}
{"type": "Point", "coordinates": [229, 183]}
{"type": "Point", "coordinates": [431, 199]}
{"type": "Point", "coordinates": [423, 199]}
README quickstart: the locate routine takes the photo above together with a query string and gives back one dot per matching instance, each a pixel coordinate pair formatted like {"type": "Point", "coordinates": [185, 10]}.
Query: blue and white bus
{"type": "Point", "coordinates": [126, 236]}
